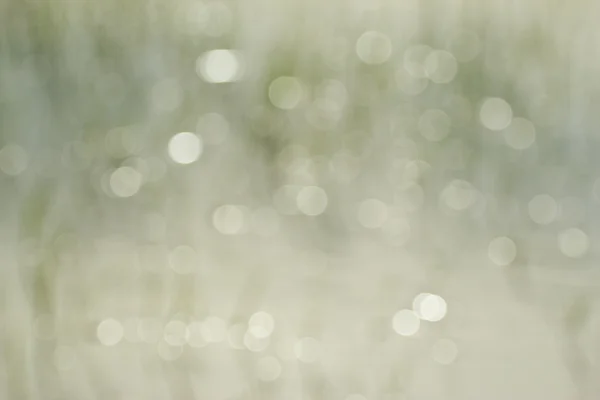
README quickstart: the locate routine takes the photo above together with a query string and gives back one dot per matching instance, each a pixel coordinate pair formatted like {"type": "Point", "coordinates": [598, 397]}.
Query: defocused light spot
{"type": "Point", "coordinates": [406, 323]}
{"type": "Point", "coordinates": [409, 84]}
{"type": "Point", "coordinates": [520, 134]}
{"type": "Point", "coordinates": [125, 182]}
{"type": "Point", "coordinates": [440, 66]}
{"type": "Point", "coordinates": [268, 369]}
{"type": "Point", "coordinates": [264, 221]}
{"type": "Point", "coordinates": [109, 332]}
{"type": "Point", "coordinates": [332, 90]}
{"type": "Point", "coordinates": [213, 127]}
{"type": "Point", "coordinates": [324, 113]}
{"type": "Point", "coordinates": [64, 358]}
{"type": "Point", "coordinates": [13, 159]}
{"type": "Point", "coordinates": [414, 60]}
{"type": "Point", "coordinates": [254, 343]}
{"type": "Point", "coordinates": [414, 170]}
{"type": "Point", "coordinates": [214, 330]}
{"type": "Point", "coordinates": [307, 349]}
{"type": "Point", "coordinates": [167, 95]}
{"type": "Point", "coordinates": [229, 219]}
{"type": "Point", "coordinates": [176, 333]}
{"type": "Point", "coordinates": [495, 113]}
{"type": "Point", "coordinates": [542, 209]}
{"type": "Point", "coordinates": [301, 169]}
{"type": "Point", "coordinates": [219, 66]}
{"type": "Point", "coordinates": [169, 352]}
{"type": "Point", "coordinates": [434, 125]}
{"type": "Point", "coordinates": [465, 45]}
{"type": "Point", "coordinates": [444, 351]}
{"type": "Point", "coordinates": [138, 164]}
{"type": "Point", "coordinates": [372, 213]}
{"type": "Point", "coordinates": [195, 337]}
{"type": "Point", "coordinates": [459, 195]}
{"type": "Point", "coordinates": [261, 324]}
{"type": "Point", "coordinates": [183, 259]}
{"type": "Point", "coordinates": [286, 92]}
{"type": "Point", "coordinates": [573, 243]}
{"type": "Point", "coordinates": [185, 147]}
{"type": "Point", "coordinates": [430, 307]}
{"type": "Point", "coordinates": [312, 200]}
{"type": "Point", "coordinates": [373, 47]}
{"type": "Point", "coordinates": [502, 251]}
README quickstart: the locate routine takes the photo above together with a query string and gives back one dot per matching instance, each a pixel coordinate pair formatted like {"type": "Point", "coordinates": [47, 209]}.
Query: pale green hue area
{"type": "Point", "coordinates": [332, 160]}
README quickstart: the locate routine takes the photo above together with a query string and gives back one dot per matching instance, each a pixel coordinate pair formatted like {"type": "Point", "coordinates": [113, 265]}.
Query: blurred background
{"type": "Point", "coordinates": [300, 200]}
